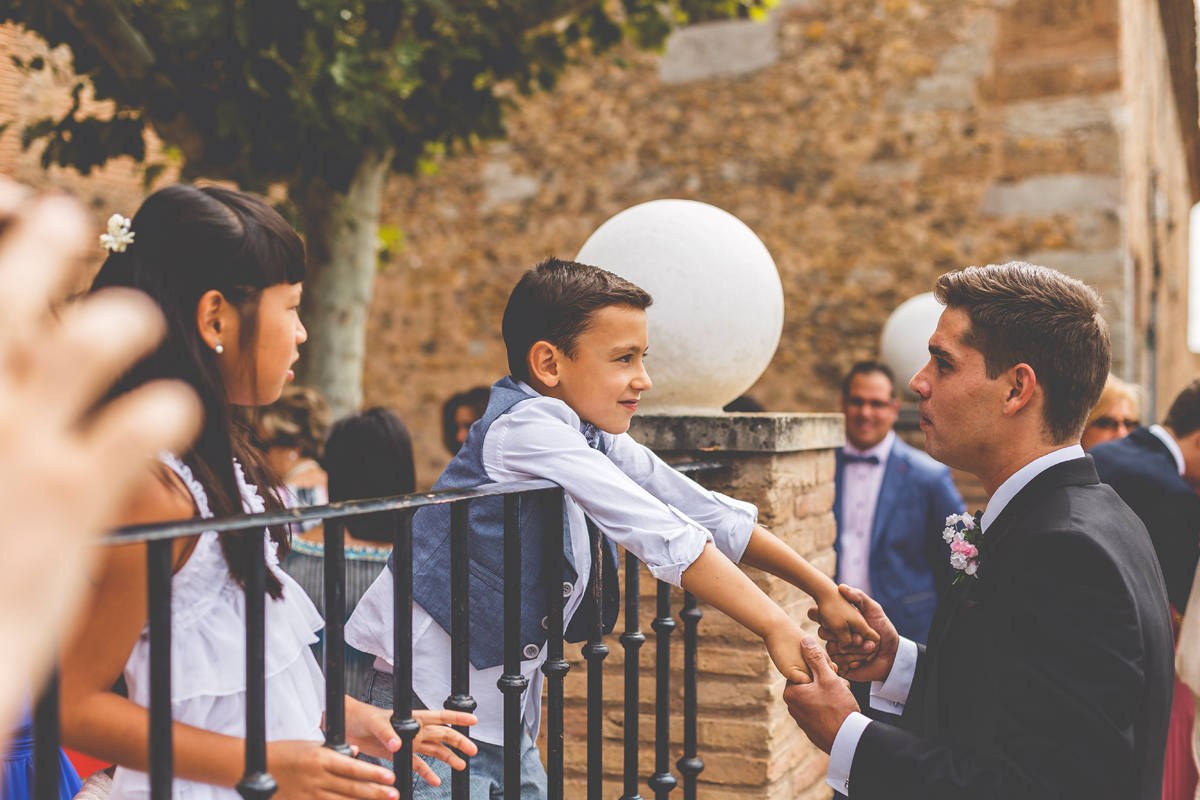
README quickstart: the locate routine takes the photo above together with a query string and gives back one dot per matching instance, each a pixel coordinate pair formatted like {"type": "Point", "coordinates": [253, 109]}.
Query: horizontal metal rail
{"type": "Point", "coordinates": [133, 534]}
{"type": "Point", "coordinates": [258, 784]}
{"type": "Point", "coordinates": [350, 508]}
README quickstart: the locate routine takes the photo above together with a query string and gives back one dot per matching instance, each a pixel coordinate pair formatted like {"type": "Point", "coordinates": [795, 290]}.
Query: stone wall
{"type": "Point", "coordinates": [1158, 200]}
{"type": "Point", "coordinates": [29, 95]}
{"type": "Point", "coordinates": [860, 156]}
{"type": "Point", "coordinates": [871, 145]}
{"type": "Point", "coordinates": [751, 748]}
{"type": "Point", "coordinates": [1055, 90]}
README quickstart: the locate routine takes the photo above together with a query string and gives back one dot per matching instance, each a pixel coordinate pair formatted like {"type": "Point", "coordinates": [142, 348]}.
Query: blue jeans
{"type": "Point", "coordinates": [487, 766]}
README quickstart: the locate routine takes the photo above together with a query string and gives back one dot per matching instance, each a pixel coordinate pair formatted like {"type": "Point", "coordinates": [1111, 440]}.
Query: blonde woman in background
{"type": "Point", "coordinates": [1115, 416]}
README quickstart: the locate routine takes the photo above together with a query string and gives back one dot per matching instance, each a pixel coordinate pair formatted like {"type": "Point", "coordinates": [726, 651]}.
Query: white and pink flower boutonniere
{"type": "Point", "coordinates": [965, 536]}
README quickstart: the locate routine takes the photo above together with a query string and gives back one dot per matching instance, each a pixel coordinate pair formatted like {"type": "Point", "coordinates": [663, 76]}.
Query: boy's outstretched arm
{"type": "Point", "coordinates": [768, 552]}
{"type": "Point", "coordinates": [717, 581]}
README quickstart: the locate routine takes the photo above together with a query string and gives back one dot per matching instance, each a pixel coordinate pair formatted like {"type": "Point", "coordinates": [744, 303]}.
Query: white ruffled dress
{"type": "Point", "coordinates": [208, 652]}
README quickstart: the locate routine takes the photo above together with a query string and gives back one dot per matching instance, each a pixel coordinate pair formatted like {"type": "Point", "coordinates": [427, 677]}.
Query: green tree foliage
{"type": "Point", "coordinates": [325, 96]}
{"type": "Point", "coordinates": [258, 91]}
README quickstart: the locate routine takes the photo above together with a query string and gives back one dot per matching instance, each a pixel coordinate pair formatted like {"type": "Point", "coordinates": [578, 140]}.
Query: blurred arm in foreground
{"type": "Point", "coordinates": [66, 464]}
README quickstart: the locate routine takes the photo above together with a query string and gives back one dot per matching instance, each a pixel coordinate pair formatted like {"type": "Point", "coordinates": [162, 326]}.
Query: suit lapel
{"type": "Point", "coordinates": [839, 468]}
{"type": "Point", "coordinates": [837, 483]}
{"type": "Point", "coordinates": [1077, 472]}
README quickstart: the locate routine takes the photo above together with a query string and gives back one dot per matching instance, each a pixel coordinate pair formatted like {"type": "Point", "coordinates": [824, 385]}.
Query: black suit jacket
{"type": "Point", "coordinates": [1142, 470]}
{"type": "Point", "coordinates": [1050, 673]}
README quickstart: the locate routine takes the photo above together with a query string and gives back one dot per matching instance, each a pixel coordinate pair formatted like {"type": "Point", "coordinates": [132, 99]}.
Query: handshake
{"type": "Point", "coordinates": [852, 630]}
{"type": "Point", "coordinates": [860, 646]}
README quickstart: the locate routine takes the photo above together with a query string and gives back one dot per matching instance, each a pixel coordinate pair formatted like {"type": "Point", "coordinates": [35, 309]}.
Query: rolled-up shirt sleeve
{"type": "Point", "coordinates": [730, 521]}
{"type": "Point", "coordinates": [540, 438]}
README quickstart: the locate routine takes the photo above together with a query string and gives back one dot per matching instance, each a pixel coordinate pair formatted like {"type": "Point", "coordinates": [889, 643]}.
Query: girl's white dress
{"type": "Point", "coordinates": [208, 652]}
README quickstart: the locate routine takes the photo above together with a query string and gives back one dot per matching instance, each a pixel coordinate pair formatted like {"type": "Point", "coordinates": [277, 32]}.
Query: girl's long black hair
{"type": "Point", "coordinates": [189, 240]}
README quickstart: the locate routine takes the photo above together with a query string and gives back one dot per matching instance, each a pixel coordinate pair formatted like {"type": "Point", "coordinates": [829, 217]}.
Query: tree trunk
{"type": "Point", "coordinates": [341, 236]}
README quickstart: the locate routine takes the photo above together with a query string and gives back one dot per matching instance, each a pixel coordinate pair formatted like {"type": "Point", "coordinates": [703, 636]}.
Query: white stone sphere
{"type": "Point", "coordinates": [904, 343]}
{"type": "Point", "coordinates": [718, 301]}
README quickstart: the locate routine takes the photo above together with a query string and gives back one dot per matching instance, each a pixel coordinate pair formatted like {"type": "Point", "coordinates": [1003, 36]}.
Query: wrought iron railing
{"type": "Point", "coordinates": [257, 783]}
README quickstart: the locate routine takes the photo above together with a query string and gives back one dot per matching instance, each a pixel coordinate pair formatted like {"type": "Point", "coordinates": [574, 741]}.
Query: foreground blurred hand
{"type": "Point", "coordinates": [65, 469]}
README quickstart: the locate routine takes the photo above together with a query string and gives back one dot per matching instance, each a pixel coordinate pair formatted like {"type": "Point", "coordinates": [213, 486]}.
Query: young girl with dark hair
{"type": "Point", "coordinates": [226, 271]}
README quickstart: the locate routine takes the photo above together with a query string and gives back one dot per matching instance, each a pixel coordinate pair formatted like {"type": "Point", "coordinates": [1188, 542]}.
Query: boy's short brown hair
{"type": "Point", "coordinates": [554, 302]}
{"type": "Point", "coordinates": [1021, 313]}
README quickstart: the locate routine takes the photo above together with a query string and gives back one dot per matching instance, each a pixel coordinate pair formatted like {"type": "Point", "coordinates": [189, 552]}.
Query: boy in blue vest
{"type": "Point", "coordinates": [576, 339]}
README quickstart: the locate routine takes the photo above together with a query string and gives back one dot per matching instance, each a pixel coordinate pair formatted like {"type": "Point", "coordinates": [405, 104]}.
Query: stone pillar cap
{"type": "Point", "coordinates": [739, 433]}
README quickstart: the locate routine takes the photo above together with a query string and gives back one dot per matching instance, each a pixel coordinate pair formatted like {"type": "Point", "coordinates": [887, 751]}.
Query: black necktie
{"type": "Point", "coordinates": [851, 458]}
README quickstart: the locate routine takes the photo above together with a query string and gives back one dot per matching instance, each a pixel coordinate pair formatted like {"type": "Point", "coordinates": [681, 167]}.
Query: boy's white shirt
{"type": "Point", "coordinates": [662, 517]}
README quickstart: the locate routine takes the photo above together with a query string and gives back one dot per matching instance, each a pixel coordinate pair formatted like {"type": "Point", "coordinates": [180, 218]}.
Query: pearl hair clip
{"type": "Point", "coordinates": [119, 236]}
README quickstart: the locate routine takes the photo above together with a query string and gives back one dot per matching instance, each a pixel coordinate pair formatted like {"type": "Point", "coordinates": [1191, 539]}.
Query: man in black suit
{"type": "Point", "coordinates": [1049, 667]}
{"type": "Point", "coordinates": [1151, 469]}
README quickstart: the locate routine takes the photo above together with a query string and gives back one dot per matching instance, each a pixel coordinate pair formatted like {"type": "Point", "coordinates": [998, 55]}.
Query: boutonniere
{"type": "Point", "coordinates": [965, 536]}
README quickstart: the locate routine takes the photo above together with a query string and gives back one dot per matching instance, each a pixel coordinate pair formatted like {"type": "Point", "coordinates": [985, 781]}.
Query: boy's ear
{"type": "Point", "coordinates": [543, 363]}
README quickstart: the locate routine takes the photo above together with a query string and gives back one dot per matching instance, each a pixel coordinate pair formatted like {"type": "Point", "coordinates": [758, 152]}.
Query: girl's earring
{"type": "Point", "coordinates": [218, 348]}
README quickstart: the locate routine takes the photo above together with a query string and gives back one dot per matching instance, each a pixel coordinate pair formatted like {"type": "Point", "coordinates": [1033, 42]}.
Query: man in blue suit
{"type": "Point", "coordinates": [891, 505]}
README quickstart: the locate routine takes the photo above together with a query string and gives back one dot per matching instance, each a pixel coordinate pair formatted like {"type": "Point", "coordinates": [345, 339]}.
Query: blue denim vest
{"type": "Point", "coordinates": [431, 554]}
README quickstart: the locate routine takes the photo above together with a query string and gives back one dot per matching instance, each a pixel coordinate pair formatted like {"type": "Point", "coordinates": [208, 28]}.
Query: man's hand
{"type": "Point", "coordinates": [849, 664]}
{"type": "Point", "coordinates": [840, 617]}
{"type": "Point", "coordinates": [819, 707]}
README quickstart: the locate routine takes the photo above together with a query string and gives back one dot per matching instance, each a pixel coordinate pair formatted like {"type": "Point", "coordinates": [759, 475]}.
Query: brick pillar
{"type": "Point", "coordinates": [751, 748]}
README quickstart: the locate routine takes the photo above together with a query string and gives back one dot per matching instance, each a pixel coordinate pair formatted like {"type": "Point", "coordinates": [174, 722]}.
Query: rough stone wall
{"type": "Point", "coordinates": [1055, 87]}
{"type": "Point", "coordinates": [751, 748]}
{"type": "Point", "coordinates": [27, 96]}
{"type": "Point", "coordinates": [872, 145]}
{"type": "Point", "coordinates": [1158, 201]}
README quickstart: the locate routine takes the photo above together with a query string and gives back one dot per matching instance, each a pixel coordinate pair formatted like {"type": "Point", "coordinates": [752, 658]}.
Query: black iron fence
{"type": "Point", "coordinates": [257, 783]}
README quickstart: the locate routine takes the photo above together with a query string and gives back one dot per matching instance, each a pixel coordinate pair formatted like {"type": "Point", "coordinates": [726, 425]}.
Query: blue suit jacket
{"type": "Point", "coordinates": [910, 562]}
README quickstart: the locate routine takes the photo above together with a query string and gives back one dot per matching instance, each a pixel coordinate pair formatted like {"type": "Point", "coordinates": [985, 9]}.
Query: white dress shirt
{"type": "Point", "coordinates": [642, 504]}
{"type": "Point", "coordinates": [1172, 445]}
{"type": "Point", "coordinates": [860, 496]}
{"type": "Point", "coordinates": [890, 695]}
